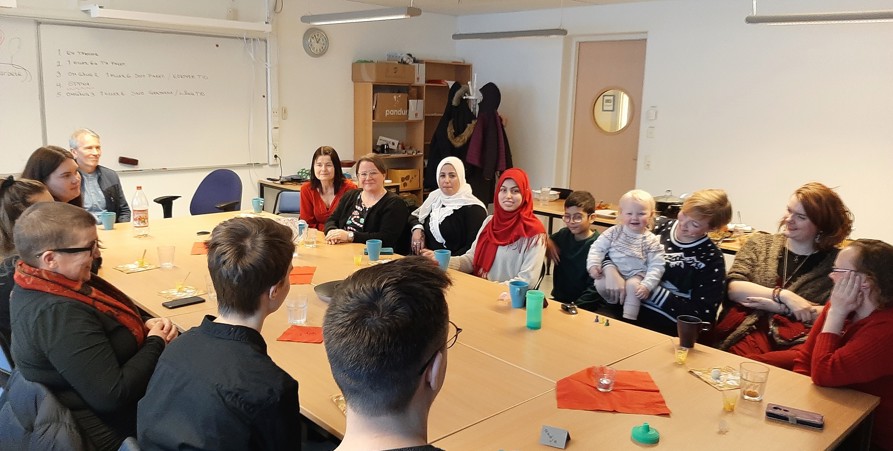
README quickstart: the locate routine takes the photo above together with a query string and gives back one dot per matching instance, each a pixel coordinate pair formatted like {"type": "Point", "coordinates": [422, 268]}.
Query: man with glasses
{"type": "Point", "coordinates": [568, 249]}
{"type": "Point", "coordinates": [387, 332]}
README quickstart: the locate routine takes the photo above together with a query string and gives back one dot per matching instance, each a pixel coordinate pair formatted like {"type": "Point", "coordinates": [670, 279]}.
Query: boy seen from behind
{"type": "Point", "coordinates": [217, 388]}
{"type": "Point", "coordinates": [568, 248]}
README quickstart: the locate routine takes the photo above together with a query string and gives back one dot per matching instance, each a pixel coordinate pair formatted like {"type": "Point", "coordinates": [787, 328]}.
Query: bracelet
{"type": "Point", "coordinates": [776, 295]}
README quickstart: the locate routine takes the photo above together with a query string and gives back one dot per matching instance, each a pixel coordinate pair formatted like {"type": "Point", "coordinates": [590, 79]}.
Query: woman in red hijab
{"type": "Point", "coordinates": [511, 244]}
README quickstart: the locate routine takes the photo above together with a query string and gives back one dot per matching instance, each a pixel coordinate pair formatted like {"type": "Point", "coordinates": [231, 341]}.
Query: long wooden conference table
{"type": "Point", "coordinates": [500, 385]}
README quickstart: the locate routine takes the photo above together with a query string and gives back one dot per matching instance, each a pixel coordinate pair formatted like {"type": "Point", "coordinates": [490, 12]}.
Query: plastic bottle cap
{"type": "Point", "coordinates": [645, 434]}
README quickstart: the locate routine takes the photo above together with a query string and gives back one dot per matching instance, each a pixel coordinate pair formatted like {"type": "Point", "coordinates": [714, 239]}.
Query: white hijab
{"type": "Point", "coordinates": [438, 205]}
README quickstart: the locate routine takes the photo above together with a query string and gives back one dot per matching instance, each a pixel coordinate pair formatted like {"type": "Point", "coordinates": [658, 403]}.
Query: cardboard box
{"type": "Point", "coordinates": [383, 72]}
{"type": "Point", "coordinates": [416, 110]}
{"type": "Point", "coordinates": [407, 178]}
{"type": "Point", "coordinates": [419, 73]}
{"type": "Point", "coordinates": [390, 107]}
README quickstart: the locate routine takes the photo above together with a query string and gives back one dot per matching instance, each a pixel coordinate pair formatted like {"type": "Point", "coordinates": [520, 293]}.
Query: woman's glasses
{"type": "Point", "coordinates": [74, 250]}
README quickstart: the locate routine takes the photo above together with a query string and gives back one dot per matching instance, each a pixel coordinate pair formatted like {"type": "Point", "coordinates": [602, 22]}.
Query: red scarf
{"type": "Point", "coordinates": [506, 227]}
{"type": "Point", "coordinates": [98, 294]}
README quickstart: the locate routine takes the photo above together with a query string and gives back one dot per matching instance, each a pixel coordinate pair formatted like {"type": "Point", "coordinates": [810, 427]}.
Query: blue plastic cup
{"type": "Point", "coordinates": [443, 258]}
{"type": "Point", "coordinates": [373, 248]}
{"type": "Point", "coordinates": [257, 204]}
{"type": "Point", "coordinates": [535, 309]}
{"type": "Point", "coordinates": [518, 292]}
{"type": "Point", "coordinates": [108, 219]}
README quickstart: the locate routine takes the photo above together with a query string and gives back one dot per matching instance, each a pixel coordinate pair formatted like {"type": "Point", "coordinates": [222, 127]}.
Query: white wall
{"type": "Point", "coordinates": [318, 92]}
{"type": "Point", "coordinates": [757, 110]}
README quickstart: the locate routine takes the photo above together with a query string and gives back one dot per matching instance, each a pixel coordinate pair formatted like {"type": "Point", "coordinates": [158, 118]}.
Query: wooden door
{"type": "Point", "coordinates": [605, 164]}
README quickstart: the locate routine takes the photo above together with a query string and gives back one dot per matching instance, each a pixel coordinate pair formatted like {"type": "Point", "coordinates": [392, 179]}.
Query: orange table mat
{"type": "Point", "coordinates": [634, 392]}
{"type": "Point", "coordinates": [301, 275]}
{"type": "Point", "coordinates": [302, 334]}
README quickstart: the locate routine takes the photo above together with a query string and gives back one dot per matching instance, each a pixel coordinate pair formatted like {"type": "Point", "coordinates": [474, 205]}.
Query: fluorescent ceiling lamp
{"type": "Point", "coordinates": [511, 34]}
{"type": "Point", "coordinates": [362, 16]}
{"type": "Point", "coordinates": [99, 12]}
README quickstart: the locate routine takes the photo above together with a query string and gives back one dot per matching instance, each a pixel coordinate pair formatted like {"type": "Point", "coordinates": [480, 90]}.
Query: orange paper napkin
{"type": "Point", "coordinates": [302, 334]}
{"type": "Point", "coordinates": [634, 392]}
{"type": "Point", "coordinates": [301, 275]}
{"type": "Point", "coordinates": [200, 248]}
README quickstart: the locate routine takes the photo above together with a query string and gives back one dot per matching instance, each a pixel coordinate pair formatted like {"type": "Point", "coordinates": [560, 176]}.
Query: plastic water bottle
{"type": "Point", "coordinates": [139, 213]}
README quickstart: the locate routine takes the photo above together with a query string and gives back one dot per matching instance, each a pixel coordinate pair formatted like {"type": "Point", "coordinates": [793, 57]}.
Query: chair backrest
{"type": "Point", "coordinates": [32, 418]}
{"type": "Point", "coordinates": [288, 202]}
{"type": "Point", "coordinates": [220, 186]}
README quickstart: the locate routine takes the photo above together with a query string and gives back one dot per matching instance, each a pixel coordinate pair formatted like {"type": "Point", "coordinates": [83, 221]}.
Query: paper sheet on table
{"type": "Point", "coordinates": [727, 380]}
{"type": "Point", "coordinates": [130, 268]}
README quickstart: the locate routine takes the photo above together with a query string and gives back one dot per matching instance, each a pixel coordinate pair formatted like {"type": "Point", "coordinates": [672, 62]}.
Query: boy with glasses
{"type": "Point", "coordinates": [387, 332]}
{"type": "Point", "coordinates": [568, 249]}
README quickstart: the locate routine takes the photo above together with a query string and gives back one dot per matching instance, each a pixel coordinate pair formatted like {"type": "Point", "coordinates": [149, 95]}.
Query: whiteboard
{"type": "Point", "coordinates": [168, 100]}
{"type": "Point", "coordinates": [21, 125]}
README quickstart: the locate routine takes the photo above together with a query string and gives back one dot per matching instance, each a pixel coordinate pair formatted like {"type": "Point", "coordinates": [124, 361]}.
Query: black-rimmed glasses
{"type": "Point", "coordinates": [449, 344]}
{"type": "Point", "coordinates": [75, 250]}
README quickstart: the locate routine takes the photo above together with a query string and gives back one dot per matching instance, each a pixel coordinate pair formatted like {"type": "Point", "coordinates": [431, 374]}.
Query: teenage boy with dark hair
{"type": "Point", "coordinates": [568, 249]}
{"type": "Point", "coordinates": [387, 332]}
{"type": "Point", "coordinates": [218, 389]}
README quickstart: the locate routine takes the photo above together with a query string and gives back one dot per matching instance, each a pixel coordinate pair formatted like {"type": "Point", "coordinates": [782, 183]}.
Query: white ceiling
{"type": "Point", "coordinates": [468, 7]}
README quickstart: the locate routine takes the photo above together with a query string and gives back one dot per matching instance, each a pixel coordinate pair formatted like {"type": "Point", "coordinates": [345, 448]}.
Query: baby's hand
{"type": "Point", "coordinates": [595, 272]}
{"type": "Point", "coordinates": [642, 292]}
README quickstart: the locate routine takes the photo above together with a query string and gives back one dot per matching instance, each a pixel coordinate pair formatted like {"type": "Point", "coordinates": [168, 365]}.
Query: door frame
{"type": "Point", "coordinates": [568, 92]}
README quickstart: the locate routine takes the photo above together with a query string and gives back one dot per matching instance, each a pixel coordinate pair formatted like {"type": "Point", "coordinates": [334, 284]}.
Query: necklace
{"type": "Point", "coordinates": [785, 279]}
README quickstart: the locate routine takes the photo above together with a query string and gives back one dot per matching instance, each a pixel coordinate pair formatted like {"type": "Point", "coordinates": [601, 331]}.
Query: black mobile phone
{"type": "Point", "coordinates": [795, 416]}
{"type": "Point", "coordinates": [183, 302]}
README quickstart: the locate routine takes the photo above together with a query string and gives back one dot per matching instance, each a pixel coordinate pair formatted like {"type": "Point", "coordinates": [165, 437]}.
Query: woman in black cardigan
{"type": "Point", "coordinates": [371, 212]}
{"type": "Point", "coordinates": [451, 216]}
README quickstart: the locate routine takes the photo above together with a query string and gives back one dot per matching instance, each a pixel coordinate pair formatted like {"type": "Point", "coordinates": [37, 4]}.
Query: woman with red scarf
{"type": "Point", "coordinates": [74, 332]}
{"type": "Point", "coordinates": [511, 244]}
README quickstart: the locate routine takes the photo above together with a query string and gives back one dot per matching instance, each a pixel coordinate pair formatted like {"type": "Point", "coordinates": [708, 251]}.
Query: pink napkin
{"type": "Point", "coordinates": [634, 392]}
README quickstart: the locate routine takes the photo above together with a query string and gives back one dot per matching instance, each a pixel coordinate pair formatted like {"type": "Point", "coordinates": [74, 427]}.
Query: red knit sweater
{"type": "Point", "coordinates": [314, 210]}
{"type": "Point", "coordinates": [858, 359]}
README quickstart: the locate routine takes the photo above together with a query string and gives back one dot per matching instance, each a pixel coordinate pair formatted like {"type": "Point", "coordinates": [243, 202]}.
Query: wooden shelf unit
{"type": "Point", "coordinates": [367, 130]}
{"type": "Point", "coordinates": [437, 95]}
{"type": "Point", "coordinates": [414, 134]}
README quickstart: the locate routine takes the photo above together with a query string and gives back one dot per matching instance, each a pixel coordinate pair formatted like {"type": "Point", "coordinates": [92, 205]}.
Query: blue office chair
{"type": "Point", "coordinates": [221, 190]}
{"type": "Point", "coordinates": [288, 202]}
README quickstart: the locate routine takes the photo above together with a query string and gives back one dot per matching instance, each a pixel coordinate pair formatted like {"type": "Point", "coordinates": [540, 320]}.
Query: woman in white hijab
{"type": "Point", "coordinates": [451, 216]}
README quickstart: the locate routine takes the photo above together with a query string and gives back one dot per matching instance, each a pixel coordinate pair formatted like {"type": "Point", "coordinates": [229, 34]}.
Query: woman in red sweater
{"type": "Point", "coordinates": [327, 184]}
{"type": "Point", "coordinates": [849, 345]}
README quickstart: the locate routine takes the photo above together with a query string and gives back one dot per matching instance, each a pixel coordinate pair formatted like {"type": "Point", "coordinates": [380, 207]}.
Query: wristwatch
{"type": "Point", "coordinates": [350, 236]}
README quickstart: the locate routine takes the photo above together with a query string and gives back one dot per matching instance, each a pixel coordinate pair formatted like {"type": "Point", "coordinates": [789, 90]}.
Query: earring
{"type": "Point", "coordinates": [818, 237]}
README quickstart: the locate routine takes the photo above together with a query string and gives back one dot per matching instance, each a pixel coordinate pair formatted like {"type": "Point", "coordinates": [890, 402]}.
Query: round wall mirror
{"type": "Point", "coordinates": [613, 110]}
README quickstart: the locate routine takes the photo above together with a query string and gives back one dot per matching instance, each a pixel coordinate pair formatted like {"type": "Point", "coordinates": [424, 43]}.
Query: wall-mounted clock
{"type": "Point", "coordinates": [316, 42]}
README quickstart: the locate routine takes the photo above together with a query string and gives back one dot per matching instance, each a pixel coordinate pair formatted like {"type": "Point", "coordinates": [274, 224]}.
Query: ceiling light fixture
{"type": "Point", "coordinates": [818, 18]}
{"type": "Point", "coordinates": [362, 16]}
{"type": "Point", "coordinates": [96, 11]}
{"type": "Point", "coordinates": [511, 34]}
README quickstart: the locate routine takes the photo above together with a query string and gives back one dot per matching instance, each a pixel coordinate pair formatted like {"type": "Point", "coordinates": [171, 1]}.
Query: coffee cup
{"type": "Point", "coordinates": [108, 220]}
{"type": "Point", "coordinates": [688, 328]}
{"type": "Point", "coordinates": [518, 292]}
{"type": "Point", "coordinates": [257, 204]}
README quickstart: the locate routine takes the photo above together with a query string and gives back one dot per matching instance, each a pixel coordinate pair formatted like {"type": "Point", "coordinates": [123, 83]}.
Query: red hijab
{"type": "Point", "coordinates": [506, 227]}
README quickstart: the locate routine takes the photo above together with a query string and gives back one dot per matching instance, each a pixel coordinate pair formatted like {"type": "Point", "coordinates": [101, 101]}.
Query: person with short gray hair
{"type": "Point", "coordinates": [100, 186]}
